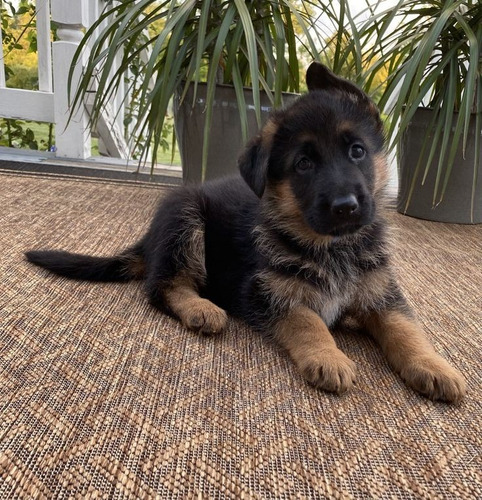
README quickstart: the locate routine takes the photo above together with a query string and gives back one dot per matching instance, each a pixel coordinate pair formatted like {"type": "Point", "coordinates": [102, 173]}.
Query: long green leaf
{"type": "Point", "coordinates": [200, 45]}
{"type": "Point", "coordinates": [293, 69]}
{"type": "Point", "coordinates": [239, 89]}
{"type": "Point", "coordinates": [472, 74]}
{"type": "Point", "coordinates": [279, 41]}
{"type": "Point", "coordinates": [211, 83]}
{"type": "Point", "coordinates": [250, 38]}
{"type": "Point", "coordinates": [447, 115]}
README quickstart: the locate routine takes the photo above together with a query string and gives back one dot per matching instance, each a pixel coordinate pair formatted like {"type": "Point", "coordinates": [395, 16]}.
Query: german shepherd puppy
{"type": "Point", "coordinates": [293, 249]}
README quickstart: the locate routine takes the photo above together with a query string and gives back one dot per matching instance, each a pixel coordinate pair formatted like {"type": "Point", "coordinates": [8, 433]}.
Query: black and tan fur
{"type": "Point", "coordinates": [293, 249]}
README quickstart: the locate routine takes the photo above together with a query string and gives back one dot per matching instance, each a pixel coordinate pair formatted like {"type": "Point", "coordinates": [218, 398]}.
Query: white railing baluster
{"type": "Point", "coordinates": [44, 45]}
{"type": "Point", "coordinates": [72, 136]}
{"type": "Point", "coordinates": [2, 63]}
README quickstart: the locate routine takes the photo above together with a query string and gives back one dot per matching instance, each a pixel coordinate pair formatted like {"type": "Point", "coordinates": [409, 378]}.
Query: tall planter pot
{"type": "Point", "coordinates": [456, 204]}
{"type": "Point", "coordinates": [225, 142]}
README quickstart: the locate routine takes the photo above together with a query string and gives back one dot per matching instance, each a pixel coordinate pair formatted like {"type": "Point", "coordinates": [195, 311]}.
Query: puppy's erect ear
{"type": "Point", "coordinates": [319, 77]}
{"type": "Point", "coordinates": [253, 162]}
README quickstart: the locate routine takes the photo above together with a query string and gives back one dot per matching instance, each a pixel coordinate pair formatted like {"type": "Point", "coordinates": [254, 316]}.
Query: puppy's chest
{"type": "Point", "coordinates": [329, 285]}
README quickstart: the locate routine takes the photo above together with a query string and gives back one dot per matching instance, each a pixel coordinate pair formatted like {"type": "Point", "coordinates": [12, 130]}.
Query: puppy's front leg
{"type": "Point", "coordinates": [311, 346]}
{"type": "Point", "coordinates": [412, 356]}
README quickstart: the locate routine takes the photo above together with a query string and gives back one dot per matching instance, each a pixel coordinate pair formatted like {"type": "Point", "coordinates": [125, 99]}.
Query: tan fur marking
{"type": "Point", "coordinates": [290, 217]}
{"type": "Point", "coordinates": [372, 288]}
{"type": "Point", "coordinates": [381, 172]}
{"type": "Point", "coordinates": [136, 266]}
{"type": "Point", "coordinates": [306, 137]}
{"type": "Point", "coordinates": [268, 133]}
{"type": "Point", "coordinates": [193, 244]}
{"type": "Point", "coordinates": [309, 343]}
{"type": "Point", "coordinates": [289, 291]}
{"type": "Point", "coordinates": [344, 126]}
{"type": "Point", "coordinates": [195, 312]}
{"type": "Point", "coordinates": [411, 354]}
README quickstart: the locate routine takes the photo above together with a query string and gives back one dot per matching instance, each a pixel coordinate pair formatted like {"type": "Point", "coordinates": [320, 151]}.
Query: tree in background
{"type": "Point", "coordinates": [20, 45]}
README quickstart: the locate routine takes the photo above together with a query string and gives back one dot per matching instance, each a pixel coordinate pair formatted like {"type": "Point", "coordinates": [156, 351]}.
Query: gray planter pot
{"type": "Point", "coordinates": [456, 205]}
{"type": "Point", "coordinates": [226, 140]}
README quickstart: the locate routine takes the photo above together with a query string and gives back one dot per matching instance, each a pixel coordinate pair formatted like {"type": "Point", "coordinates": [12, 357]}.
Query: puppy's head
{"type": "Point", "coordinates": [320, 163]}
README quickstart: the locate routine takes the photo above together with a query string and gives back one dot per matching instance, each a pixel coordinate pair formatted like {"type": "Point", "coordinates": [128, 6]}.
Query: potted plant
{"type": "Point", "coordinates": [187, 49]}
{"type": "Point", "coordinates": [433, 97]}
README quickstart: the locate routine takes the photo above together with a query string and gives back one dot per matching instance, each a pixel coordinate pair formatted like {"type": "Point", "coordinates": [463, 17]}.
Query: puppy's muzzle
{"type": "Point", "coordinates": [345, 208]}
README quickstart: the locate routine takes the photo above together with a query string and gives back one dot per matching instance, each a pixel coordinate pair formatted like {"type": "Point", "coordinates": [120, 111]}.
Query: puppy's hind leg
{"type": "Point", "coordinates": [177, 271]}
{"type": "Point", "coordinates": [195, 312]}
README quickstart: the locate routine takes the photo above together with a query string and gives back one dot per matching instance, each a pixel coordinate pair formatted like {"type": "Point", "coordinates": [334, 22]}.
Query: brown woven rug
{"type": "Point", "coordinates": [100, 394]}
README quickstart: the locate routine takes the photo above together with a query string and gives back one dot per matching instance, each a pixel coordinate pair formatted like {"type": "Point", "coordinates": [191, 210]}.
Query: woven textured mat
{"type": "Point", "coordinates": [103, 396]}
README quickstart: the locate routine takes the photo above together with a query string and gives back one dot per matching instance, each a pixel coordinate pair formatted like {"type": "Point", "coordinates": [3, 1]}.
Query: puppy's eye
{"type": "Point", "coordinates": [357, 152]}
{"type": "Point", "coordinates": [303, 165]}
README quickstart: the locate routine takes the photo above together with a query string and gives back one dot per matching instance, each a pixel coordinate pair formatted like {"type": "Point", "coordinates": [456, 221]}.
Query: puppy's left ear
{"type": "Point", "coordinates": [253, 165]}
{"type": "Point", "coordinates": [253, 162]}
{"type": "Point", "coordinates": [319, 77]}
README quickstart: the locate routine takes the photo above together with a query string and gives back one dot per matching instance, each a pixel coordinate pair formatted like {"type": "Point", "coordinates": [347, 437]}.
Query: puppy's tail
{"type": "Point", "coordinates": [128, 265]}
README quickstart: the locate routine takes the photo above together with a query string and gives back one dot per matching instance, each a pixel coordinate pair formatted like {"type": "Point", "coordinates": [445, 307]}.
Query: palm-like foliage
{"type": "Point", "coordinates": [243, 43]}
{"type": "Point", "coordinates": [433, 53]}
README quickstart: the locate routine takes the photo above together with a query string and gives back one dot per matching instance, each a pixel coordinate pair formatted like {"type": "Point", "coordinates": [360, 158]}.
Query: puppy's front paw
{"type": "Point", "coordinates": [433, 377]}
{"type": "Point", "coordinates": [329, 370]}
{"type": "Point", "coordinates": [205, 317]}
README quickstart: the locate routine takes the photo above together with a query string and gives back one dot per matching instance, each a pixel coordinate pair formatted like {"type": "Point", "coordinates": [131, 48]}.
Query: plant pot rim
{"type": "Point", "coordinates": [229, 86]}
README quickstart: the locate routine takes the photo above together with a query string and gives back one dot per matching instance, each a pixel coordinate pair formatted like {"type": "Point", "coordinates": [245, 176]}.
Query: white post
{"type": "Point", "coordinates": [72, 137]}
{"type": "Point", "coordinates": [2, 63]}
{"type": "Point", "coordinates": [44, 51]}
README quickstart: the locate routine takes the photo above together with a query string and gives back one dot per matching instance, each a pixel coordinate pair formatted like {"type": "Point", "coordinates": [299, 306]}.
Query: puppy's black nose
{"type": "Point", "coordinates": [345, 207]}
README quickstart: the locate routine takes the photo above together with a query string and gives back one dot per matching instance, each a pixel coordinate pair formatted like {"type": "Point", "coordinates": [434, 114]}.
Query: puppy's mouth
{"type": "Point", "coordinates": [345, 229]}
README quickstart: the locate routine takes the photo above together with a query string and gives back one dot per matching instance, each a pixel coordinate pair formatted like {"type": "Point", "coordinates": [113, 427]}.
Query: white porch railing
{"type": "Point", "coordinates": [50, 103]}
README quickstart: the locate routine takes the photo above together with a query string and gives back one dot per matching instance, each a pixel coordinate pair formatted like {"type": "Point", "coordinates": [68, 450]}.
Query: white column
{"type": "Point", "coordinates": [72, 138]}
{"type": "Point", "coordinates": [2, 64]}
{"type": "Point", "coordinates": [44, 47]}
